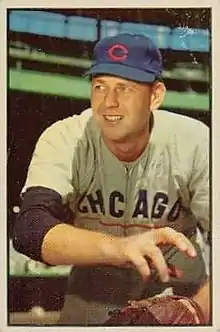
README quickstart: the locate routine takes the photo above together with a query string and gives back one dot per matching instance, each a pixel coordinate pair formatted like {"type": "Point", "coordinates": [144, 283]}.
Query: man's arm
{"type": "Point", "coordinates": [66, 244]}
{"type": "Point", "coordinates": [200, 205]}
{"type": "Point", "coordinates": [42, 232]}
{"type": "Point", "coordinates": [202, 297]}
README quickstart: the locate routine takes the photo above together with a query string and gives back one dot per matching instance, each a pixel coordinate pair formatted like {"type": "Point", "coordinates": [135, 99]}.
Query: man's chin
{"type": "Point", "coordinates": [116, 138]}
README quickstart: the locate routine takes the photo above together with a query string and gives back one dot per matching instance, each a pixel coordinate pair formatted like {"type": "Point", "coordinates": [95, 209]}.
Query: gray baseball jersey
{"type": "Point", "coordinates": [168, 185]}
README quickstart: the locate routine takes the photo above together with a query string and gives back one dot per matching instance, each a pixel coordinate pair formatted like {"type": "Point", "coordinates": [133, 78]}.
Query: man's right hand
{"type": "Point", "coordinates": [138, 250]}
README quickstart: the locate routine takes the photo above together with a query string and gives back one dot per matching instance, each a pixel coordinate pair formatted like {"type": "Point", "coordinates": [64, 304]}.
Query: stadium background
{"type": "Point", "coordinates": [48, 51]}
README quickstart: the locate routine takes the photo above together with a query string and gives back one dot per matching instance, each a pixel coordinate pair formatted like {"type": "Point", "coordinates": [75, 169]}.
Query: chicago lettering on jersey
{"type": "Point", "coordinates": [94, 203]}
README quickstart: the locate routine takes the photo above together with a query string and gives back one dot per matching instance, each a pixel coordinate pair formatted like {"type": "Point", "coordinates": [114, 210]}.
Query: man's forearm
{"type": "Point", "coordinates": [67, 245]}
{"type": "Point", "coordinates": [202, 297]}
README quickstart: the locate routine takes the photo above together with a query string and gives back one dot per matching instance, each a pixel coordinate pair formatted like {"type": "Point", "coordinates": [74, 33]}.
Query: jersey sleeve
{"type": "Point", "coordinates": [53, 163]}
{"type": "Point", "coordinates": [199, 184]}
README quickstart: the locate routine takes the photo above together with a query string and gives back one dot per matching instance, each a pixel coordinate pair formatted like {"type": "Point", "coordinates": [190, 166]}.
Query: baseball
{"type": "Point", "coordinates": [37, 312]}
{"type": "Point", "coordinates": [16, 209]}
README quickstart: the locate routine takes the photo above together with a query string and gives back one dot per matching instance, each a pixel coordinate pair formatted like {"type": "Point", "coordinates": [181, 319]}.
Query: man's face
{"type": "Point", "coordinates": [120, 107]}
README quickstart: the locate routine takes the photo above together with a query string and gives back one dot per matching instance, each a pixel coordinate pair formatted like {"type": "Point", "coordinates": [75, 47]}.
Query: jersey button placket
{"type": "Point", "coordinates": [127, 191]}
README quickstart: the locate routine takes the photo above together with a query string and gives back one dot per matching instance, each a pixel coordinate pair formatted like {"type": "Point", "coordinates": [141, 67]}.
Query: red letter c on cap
{"type": "Point", "coordinates": [120, 47]}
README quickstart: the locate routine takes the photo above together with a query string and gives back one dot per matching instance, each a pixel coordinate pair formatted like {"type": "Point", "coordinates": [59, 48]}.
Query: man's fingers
{"type": "Point", "coordinates": [158, 261]}
{"type": "Point", "coordinates": [168, 235]}
{"type": "Point", "coordinates": [154, 256]}
{"type": "Point", "coordinates": [140, 263]}
{"type": "Point", "coordinates": [142, 251]}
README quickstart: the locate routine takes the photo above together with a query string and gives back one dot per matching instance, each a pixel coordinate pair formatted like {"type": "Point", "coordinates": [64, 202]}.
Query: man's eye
{"type": "Point", "coordinates": [99, 87]}
{"type": "Point", "coordinates": [125, 89]}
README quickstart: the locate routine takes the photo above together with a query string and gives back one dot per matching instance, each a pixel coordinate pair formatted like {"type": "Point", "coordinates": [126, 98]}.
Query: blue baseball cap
{"type": "Point", "coordinates": [130, 56]}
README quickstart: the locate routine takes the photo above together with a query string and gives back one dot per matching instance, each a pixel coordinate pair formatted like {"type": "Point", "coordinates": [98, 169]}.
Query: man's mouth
{"type": "Point", "coordinates": [113, 118]}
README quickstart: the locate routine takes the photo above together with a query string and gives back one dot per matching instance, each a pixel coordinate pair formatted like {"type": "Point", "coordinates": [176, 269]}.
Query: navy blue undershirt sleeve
{"type": "Point", "coordinates": [41, 210]}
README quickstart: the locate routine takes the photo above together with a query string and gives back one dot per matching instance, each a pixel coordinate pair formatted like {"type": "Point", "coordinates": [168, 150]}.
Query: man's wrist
{"type": "Point", "coordinates": [110, 250]}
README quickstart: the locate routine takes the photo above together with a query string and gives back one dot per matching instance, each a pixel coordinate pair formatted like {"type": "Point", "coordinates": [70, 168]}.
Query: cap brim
{"type": "Point", "coordinates": [120, 70]}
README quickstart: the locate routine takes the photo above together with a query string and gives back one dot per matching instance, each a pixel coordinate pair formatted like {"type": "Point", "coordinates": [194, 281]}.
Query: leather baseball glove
{"type": "Point", "coordinates": [164, 310]}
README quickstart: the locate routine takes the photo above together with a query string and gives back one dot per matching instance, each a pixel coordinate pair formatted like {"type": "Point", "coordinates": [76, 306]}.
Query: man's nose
{"type": "Point", "coordinates": [111, 99]}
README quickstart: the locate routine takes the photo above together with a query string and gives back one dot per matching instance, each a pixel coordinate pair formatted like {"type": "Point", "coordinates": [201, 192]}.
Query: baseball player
{"type": "Point", "coordinates": [121, 191]}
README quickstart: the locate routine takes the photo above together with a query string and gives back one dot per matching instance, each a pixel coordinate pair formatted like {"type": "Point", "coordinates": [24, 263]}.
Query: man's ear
{"type": "Point", "coordinates": [157, 95]}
